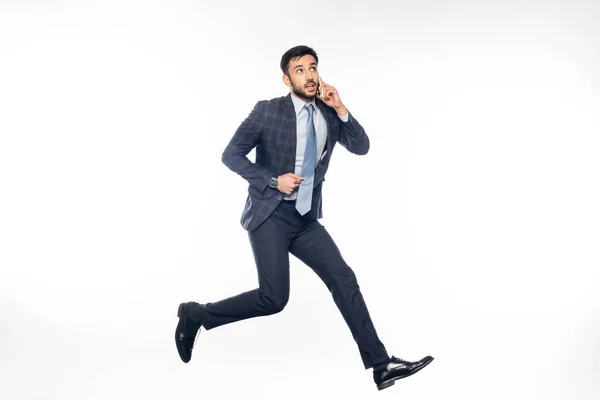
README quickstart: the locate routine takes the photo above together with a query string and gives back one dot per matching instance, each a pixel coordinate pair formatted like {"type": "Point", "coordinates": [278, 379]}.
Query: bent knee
{"type": "Point", "coordinates": [276, 304]}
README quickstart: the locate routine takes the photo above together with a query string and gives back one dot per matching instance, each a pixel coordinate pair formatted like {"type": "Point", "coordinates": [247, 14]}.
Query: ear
{"type": "Point", "coordinates": [286, 81]}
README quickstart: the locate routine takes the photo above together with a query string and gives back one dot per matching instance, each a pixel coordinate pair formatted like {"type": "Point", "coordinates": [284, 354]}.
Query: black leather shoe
{"type": "Point", "coordinates": [398, 368]}
{"type": "Point", "coordinates": [186, 332]}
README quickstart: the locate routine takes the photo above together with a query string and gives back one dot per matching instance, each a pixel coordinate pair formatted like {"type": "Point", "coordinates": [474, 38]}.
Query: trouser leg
{"type": "Point", "coordinates": [270, 248]}
{"type": "Point", "coordinates": [316, 248]}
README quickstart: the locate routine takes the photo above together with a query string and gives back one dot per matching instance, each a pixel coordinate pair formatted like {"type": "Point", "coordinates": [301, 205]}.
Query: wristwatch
{"type": "Point", "coordinates": [274, 182]}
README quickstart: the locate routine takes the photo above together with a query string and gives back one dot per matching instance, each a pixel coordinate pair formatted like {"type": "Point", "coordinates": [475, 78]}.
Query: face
{"type": "Point", "coordinates": [304, 77]}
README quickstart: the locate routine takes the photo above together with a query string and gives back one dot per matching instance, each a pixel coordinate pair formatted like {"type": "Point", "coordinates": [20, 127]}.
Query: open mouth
{"type": "Point", "coordinates": [311, 86]}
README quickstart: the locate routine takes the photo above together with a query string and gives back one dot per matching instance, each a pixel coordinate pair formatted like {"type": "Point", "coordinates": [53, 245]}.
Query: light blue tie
{"type": "Point", "coordinates": [305, 190]}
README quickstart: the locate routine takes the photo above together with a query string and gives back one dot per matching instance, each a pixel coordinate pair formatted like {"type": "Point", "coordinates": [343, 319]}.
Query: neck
{"type": "Point", "coordinates": [301, 98]}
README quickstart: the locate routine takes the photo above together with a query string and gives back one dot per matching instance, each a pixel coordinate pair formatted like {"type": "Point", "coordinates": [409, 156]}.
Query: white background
{"type": "Point", "coordinates": [472, 224]}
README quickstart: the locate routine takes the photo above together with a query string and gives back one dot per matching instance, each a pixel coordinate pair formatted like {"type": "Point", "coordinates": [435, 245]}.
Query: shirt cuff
{"type": "Point", "coordinates": [344, 117]}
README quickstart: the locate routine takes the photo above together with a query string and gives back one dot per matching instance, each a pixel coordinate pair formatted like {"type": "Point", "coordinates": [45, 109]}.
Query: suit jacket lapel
{"type": "Point", "coordinates": [323, 107]}
{"type": "Point", "coordinates": [290, 127]}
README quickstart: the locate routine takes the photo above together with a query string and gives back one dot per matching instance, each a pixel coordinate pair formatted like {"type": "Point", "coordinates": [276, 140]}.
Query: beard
{"type": "Point", "coordinates": [302, 93]}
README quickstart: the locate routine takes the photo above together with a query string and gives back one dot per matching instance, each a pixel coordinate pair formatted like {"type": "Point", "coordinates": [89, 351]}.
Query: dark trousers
{"type": "Point", "coordinates": [287, 231]}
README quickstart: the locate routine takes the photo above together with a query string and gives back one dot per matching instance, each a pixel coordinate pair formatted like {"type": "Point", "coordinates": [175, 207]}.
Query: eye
{"type": "Point", "coordinates": [299, 69]}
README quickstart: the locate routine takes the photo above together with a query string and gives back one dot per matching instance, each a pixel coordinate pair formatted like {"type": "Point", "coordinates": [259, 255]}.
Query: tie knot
{"type": "Point", "coordinates": [309, 108]}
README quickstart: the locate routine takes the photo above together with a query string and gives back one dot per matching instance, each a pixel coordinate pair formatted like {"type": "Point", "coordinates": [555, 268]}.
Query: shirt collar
{"type": "Point", "coordinates": [299, 104]}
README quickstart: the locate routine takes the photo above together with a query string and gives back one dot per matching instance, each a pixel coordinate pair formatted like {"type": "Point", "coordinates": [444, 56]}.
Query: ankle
{"type": "Point", "coordinates": [379, 366]}
{"type": "Point", "coordinates": [195, 312]}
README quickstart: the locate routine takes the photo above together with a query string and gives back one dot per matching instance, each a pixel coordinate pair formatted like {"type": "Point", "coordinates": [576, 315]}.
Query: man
{"type": "Point", "coordinates": [294, 138]}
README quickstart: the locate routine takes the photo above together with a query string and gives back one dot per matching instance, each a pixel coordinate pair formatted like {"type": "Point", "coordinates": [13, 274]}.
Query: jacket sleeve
{"type": "Point", "coordinates": [353, 137]}
{"type": "Point", "coordinates": [243, 141]}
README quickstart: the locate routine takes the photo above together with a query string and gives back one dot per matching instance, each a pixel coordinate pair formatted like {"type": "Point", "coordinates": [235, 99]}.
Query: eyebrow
{"type": "Point", "coordinates": [301, 65]}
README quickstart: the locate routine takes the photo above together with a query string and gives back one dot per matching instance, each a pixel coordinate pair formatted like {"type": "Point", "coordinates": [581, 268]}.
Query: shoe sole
{"type": "Point", "coordinates": [391, 382]}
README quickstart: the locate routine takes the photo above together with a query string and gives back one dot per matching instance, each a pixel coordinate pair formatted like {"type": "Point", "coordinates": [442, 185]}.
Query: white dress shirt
{"type": "Point", "coordinates": [301, 131]}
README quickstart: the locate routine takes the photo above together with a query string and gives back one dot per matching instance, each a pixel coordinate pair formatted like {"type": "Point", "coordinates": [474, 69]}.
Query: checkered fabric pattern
{"type": "Point", "coordinates": [271, 128]}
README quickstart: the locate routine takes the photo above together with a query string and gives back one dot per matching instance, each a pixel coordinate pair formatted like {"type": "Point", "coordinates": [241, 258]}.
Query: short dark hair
{"type": "Point", "coordinates": [296, 52]}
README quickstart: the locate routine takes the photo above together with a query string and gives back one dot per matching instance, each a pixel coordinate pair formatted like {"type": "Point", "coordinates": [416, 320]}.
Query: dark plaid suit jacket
{"type": "Point", "coordinates": [271, 128]}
